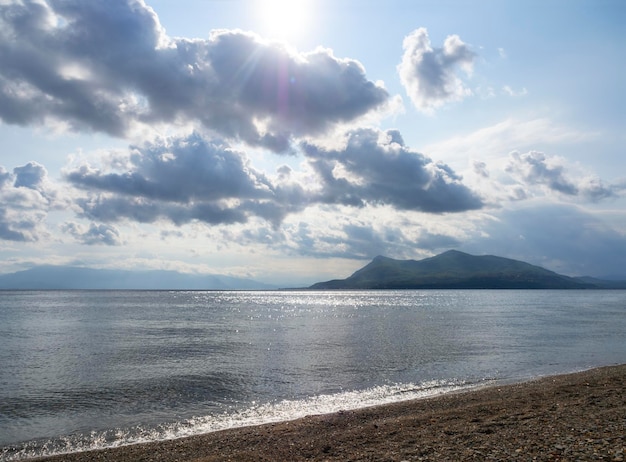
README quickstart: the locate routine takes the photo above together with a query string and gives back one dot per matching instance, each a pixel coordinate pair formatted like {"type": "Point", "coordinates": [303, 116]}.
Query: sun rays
{"type": "Point", "coordinates": [286, 20]}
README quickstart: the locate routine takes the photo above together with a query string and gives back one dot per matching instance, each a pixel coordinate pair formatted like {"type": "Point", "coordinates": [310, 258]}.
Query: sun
{"type": "Point", "coordinates": [285, 20]}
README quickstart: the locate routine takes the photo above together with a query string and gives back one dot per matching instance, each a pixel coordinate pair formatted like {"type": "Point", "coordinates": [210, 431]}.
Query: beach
{"type": "Point", "coordinates": [579, 416]}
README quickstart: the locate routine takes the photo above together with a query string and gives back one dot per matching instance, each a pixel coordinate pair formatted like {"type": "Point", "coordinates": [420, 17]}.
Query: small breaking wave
{"type": "Point", "coordinates": [254, 414]}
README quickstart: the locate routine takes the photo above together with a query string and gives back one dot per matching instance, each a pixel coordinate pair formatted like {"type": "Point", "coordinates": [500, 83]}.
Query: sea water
{"type": "Point", "coordinates": [92, 369]}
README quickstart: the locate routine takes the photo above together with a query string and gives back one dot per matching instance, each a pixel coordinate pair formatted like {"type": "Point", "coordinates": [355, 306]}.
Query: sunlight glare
{"type": "Point", "coordinates": [286, 20]}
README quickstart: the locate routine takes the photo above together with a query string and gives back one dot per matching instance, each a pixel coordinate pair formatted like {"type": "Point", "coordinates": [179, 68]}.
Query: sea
{"type": "Point", "coordinates": [84, 370]}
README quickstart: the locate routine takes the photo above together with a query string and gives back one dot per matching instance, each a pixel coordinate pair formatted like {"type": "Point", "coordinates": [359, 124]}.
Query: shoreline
{"type": "Point", "coordinates": [564, 417]}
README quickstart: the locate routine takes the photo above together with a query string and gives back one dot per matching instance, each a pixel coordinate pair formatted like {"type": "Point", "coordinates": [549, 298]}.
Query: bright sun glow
{"type": "Point", "coordinates": [284, 19]}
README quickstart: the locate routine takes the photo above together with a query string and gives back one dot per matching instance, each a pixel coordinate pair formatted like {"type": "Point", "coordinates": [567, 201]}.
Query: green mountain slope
{"type": "Point", "coordinates": [453, 270]}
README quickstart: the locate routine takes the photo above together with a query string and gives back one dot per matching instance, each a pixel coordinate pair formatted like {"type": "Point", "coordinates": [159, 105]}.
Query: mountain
{"type": "Point", "coordinates": [69, 277]}
{"type": "Point", "coordinates": [603, 283]}
{"type": "Point", "coordinates": [454, 270]}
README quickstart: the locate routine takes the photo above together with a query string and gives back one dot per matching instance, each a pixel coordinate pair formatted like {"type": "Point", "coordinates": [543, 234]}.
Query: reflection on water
{"type": "Point", "coordinates": [133, 365]}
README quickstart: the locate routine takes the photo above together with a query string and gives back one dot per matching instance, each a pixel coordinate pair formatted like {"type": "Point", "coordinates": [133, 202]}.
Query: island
{"type": "Point", "coordinates": [458, 270]}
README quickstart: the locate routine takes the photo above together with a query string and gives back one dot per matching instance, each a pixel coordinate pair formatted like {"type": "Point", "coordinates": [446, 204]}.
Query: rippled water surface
{"type": "Point", "coordinates": [83, 369]}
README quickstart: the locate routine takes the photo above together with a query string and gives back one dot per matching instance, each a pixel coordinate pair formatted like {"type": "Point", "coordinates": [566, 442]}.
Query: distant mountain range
{"type": "Point", "coordinates": [449, 270]}
{"type": "Point", "coordinates": [458, 270]}
{"type": "Point", "coordinates": [69, 277]}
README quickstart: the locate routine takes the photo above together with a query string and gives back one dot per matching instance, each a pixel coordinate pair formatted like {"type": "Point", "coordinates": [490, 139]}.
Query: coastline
{"type": "Point", "coordinates": [580, 416]}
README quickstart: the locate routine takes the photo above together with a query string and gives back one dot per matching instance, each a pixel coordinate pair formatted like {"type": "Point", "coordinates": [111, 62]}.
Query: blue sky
{"type": "Point", "coordinates": [292, 142]}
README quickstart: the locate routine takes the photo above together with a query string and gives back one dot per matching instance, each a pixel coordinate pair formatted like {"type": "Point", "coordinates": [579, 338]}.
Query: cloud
{"type": "Point", "coordinates": [96, 234]}
{"type": "Point", "coordinates": [490, 144]}
{"type": "Point", "coordinates": [377, 168]}
{"type": "Point", "coordinates": [366, 241]}
{"type": "Point", "coordinates": [507, 90]}
{"type": "Point", "coordinates": [535, 168]}
{"type": "Point", "coordinates": [5, 177]}
{"type": "Point", "coordinates": [429, 75]}
{"type": "Point", "coordinates": [179, 170]}
{"type": "Point", "coordinates": [12, 229]}
{"type": "Point", "coordinates": [31, 175]}
{"type": "Point", "coordinates": [180, 179]}
{"type": "Point", "coordinates": [323, 233]}
{"type": "Point", "coordinates": [350, 239]}
{"type": "Point", "coordinates": [25, 200]}
{"type": "Point", "coordinates": [563, 238]}
{"type": "Point", "coordinates": [184, 179]}
{"type": "Point", "coordinates": [480, 169]}
{"type": "Point", "coordinates": [108, 66]}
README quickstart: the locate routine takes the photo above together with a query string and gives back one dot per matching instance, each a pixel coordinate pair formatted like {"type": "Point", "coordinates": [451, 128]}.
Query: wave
{"type": "Point", "coordinates": [253, 414]}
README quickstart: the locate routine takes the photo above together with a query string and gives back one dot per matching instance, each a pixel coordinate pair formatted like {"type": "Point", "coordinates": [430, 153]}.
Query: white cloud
{"type": "Point", "coordinates": [109, 67]}
{"type": "Point", "coordinates": [429, 75]}
{"type": "Point", "coordinates": [536, 169]}
{"type": "Point", "coordinates": [507, 90]}
{"type": "Point", "coordinates": [210, 193]}
{"type": "Point", "coordinates": [491, 144]}
{"type": "Point", "coordinates": [26, 198]}
{"type": "Point", "coordinates": [96, 234]}
{"type": "Point", "coordinates": [194, 179]}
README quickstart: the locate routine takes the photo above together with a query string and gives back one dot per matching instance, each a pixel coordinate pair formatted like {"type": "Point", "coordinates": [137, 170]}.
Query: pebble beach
{"type": "Point", "coordinates": [571, 417]}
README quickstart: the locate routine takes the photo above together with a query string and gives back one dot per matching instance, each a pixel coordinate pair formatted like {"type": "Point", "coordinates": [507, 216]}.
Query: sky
{"type": "Point", "coordinates": [293, 141]}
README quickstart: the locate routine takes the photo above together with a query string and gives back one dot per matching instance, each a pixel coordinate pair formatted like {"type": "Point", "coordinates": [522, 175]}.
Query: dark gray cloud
{"type": "Point", "coordinates": [105, 65]}
{"type": "Point", "coordinates": [12, 229]}
{"type": "Point", "coordinates": [535, 168]}
{"type": "Point", "coordinates": [30, 176]}
{"type": "Point", "coordinates": [357, 239]}
{"type": "Point", "coordinates": [96, 234]}
{"type": "Point", "coordinates": [180, 179]}
{"type": "Point", "coordinates": [559, 237]}
{"type": "Point", "coordinates": [115, 208]}
{"type": "Point", "coordinates": [349, 240]}
{"type": "Point", "coordinates": [374, 168]}
{"type": "Point", "coordinates": [429, 74]}
{"type": "Point", "coordinates": [352, 240]}
{"type": "Point", "coordinates": [437, 242]}
{"type": "Point", "coordinates": [179, 170]}
{"type": "Point", "coordinates": [191, 178]}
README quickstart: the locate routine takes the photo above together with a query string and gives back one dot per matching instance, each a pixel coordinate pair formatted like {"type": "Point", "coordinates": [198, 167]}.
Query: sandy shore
{"type": "Point", "coordinates": [566, 418]}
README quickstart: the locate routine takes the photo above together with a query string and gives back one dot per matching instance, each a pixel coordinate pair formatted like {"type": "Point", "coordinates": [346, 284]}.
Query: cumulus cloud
{"type": "Point", "coordinates": [178, 170]}
{"type": "Point", "coordinates": [338, 232]}
{"type": "Point", "coordinates": [377, 168]}
{"type": "Point", "coordinates": [5, 177]}
{"type": "Point", "coordinates": [107, 66]}
{"type": "Point", "coordinates": [25, 200]}
{"type": "Point", "coordinates": [194, 179]}
{"type": "Point", "coordinates": [535, 168]}
{"type": "Point", "coordinates": [349, 239]}
{"type": "Point", "coordinates": [429, 74]}
{"type": "Point", "coordinates": [96, 234]}
{"type": "Point", "coordinates": [180, 179]}
{"type": "Point", "coordinates": [366, 241]}
{"type": "Point", "coordinates": [31, 175]}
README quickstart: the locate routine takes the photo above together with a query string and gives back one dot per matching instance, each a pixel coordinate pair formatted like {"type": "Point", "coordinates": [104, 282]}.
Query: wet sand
{"type": "Point", "coordinates": [571, 417]}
